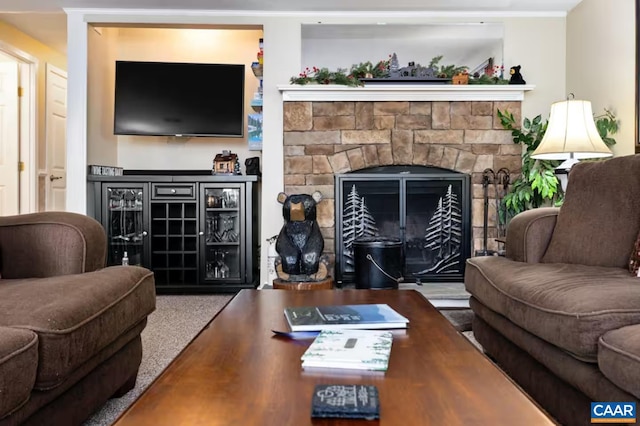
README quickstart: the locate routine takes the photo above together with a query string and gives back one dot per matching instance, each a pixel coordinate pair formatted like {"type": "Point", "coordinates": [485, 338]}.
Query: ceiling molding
{"type": "Point", "coordinates": [314, 17]}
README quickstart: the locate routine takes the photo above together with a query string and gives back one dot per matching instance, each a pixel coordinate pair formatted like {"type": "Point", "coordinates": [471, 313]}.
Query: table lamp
{"type": "Point", "coordinates": [571, 136]}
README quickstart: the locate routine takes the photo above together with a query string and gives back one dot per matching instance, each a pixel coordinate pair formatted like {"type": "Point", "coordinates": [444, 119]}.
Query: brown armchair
{"type": "Point", "coordinates": [560, 313]}
{"type": "Point", "coordinates": [69, 327]}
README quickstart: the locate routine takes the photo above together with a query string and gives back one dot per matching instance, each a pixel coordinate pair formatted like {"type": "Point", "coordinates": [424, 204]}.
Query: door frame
{"type": "Point", "coordinates": [28, 129]}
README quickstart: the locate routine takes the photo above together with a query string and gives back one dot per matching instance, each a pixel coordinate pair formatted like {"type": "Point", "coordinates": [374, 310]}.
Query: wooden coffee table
{"type": "Point", "coordinates": [236, 373]}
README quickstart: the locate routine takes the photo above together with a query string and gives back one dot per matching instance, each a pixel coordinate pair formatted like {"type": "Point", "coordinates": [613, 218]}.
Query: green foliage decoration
{"type": "Point", "coordinates": [486, 79]}
{"type": "Point", "coordinates": [445, 71]}
{"type": "Point", "coordinates": [537, 185]}
{"type": "Point", "coordinates": [369, 70]}
{"type": "Point", "coordinates": [607, 124]}
{"type": "Point", "coordinates": [324, 76]}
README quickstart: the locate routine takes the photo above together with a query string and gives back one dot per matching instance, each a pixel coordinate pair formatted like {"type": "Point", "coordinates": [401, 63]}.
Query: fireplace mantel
{"type": "Point", "coordinates": [405, 92]}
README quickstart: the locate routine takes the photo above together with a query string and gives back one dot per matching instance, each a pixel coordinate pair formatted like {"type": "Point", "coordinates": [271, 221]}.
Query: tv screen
{"type": "Point", "coordinates": [179, 99]}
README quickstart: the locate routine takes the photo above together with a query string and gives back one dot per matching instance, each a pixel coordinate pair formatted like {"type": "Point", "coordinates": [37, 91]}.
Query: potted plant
{"type": "Point", "coordinates": [537, 184]}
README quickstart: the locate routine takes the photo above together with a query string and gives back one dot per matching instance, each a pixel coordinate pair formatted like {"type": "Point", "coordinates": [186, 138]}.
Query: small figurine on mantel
{"type": "Point", "coordinates": [516, 77]}
{"type": "Point", "coordinates": [226, 163]}
{"type": "Point", "coordinates": [300, 263]}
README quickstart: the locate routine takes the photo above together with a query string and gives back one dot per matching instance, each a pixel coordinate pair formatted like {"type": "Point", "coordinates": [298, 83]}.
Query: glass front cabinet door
{"type": "Point", "coordinates": [223, 234]}
{"type": "Point", "coordinates": [125, 221]}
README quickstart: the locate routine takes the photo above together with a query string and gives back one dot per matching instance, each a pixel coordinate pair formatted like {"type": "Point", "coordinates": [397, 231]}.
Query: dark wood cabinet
{"type": "Point", "coordinates": [198, 233]}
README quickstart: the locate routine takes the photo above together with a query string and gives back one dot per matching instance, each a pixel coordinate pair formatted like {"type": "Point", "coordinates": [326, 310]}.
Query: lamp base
{"type": "Point", "coordinates": [562, 172]}
{"type": "Point", "coordinates": [568, 164]}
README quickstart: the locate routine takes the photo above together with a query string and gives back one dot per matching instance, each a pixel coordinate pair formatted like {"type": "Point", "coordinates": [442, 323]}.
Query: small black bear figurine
{"type": "Point", "coordinates": [300, 242]}
{"type": "Point", "coordinates": [516, 77]}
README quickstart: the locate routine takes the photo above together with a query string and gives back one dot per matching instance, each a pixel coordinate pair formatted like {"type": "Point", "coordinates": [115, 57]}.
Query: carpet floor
{"type": "Point", "coordinates": [175, 322]}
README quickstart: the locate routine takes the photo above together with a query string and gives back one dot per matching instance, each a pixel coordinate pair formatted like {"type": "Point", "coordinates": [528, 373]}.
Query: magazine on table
{"type": "Point", "coordinates": [363, 316]}
{"type": "Point", "coordinates": [351, 349]}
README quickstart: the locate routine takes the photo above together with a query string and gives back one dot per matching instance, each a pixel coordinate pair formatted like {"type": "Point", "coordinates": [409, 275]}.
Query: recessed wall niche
{"type": "Point", "coordinates": [461, 44]}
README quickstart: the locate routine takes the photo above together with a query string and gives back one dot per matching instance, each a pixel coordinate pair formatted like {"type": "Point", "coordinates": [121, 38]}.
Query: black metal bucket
{"type": "Point", "coordinates": [378, 262]}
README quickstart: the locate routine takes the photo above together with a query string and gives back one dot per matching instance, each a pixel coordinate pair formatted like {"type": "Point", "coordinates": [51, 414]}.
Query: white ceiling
{"type": "Point", "coordinates": [45, 20]}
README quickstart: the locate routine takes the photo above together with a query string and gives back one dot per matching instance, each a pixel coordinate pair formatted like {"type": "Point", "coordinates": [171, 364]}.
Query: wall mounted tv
{"type": "Point", "coordinates": [179, 99]}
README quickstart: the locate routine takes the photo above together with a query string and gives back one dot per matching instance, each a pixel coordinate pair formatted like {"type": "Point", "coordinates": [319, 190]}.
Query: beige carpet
{"type": "Point", "coordinates": [176, 321]}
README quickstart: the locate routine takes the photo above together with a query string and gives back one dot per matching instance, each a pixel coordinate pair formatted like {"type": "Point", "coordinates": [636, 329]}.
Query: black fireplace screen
{"type": "Point", "coordinates": [427, 208]}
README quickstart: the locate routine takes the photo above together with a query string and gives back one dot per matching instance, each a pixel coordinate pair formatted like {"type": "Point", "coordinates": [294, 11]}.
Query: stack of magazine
{"type": "Point", "coordinates": [350, 336]}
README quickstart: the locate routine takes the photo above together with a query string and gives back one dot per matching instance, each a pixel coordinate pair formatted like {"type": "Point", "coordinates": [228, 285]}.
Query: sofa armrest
{"type": "Point", "coordinates": [529, 233]}
{"type": "Point", "coordinates": [47, 244]}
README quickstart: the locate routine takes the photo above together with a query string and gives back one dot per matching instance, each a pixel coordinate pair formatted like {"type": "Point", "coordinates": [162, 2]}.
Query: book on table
{"type": "Point", "coordinates": [364, 316]}
{"type": "Point", "coordinates": [346, 402]}
{"type": "Point", "coordinates": [351, 349]}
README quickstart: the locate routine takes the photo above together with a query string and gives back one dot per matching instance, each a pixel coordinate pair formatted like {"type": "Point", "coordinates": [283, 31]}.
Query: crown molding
{"type": "Point", "coordinates": [312, 16]}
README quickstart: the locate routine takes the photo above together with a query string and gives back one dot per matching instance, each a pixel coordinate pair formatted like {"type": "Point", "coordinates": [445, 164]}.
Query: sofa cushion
{"type": "Point", "coordinates": [598, 221]}
{"type": "Point", "coordinates": [567, 305]}
{"type": "Point", "coordinates": [76, 316]}
{"type": "Point", "coordinates": [634, 259]}
{"type": "Point", "coordinates": [584, 376]}
{"type": "Point", "coordinates": [18, 366]}
{"type": "Point", "coordinates": [619, 358]}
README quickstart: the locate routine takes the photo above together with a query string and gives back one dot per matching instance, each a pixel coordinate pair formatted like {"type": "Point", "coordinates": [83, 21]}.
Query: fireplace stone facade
{"type": "Point", "coordinates": [325, 138]}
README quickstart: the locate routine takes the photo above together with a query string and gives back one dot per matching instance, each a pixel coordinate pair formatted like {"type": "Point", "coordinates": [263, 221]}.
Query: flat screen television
{"type": "Point", "coordinates": [179, 99]}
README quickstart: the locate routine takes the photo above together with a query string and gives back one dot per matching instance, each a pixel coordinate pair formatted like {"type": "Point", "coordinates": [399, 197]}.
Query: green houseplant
{"type": "Point", "coordinates": [537, 185]}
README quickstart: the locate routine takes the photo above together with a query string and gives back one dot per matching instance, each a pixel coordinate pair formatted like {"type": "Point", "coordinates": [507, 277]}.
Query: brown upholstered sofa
{"type": "Point", "coordinates": [69, 328]}
{"type": "Point", "coordinates": [561, 312]}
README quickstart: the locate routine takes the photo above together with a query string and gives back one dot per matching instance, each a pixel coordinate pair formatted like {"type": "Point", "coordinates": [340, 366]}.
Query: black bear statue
{"type": "Point", "coordinates": [516, 77]}
{"type": "Point", "coordinates": [300, 242]}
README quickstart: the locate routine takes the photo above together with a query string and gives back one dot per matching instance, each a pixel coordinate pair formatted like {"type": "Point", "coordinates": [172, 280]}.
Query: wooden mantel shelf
{"type": "Point", "coordinates": [405, 92]}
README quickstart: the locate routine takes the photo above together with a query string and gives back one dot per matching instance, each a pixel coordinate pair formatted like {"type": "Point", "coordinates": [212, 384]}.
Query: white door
{"type": "Point", "coordinates": [9, 143]}
{"type": "Point", "coordinates": [56, 138]}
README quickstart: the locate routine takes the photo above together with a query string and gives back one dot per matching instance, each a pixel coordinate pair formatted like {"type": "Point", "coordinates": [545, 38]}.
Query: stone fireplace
{"type": "Point", "coordinates": [325, 137]}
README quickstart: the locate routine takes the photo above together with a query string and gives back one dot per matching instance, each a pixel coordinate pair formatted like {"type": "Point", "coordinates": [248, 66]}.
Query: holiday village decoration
{"type": "Point", "coordinates": [226, 163]}
{"type": "Point", "coordinates": [390, 70]}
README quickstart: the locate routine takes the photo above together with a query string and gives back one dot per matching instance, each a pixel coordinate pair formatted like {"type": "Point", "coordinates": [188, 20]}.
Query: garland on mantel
{"type": "Point", "coordinates": [381, 69]}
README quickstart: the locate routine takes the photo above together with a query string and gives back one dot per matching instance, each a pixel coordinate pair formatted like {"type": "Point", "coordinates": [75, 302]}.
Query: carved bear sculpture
{"type": "Point", "coordinates": [516, 77]}
{"type": "Point", "coordinates": [300, 243]}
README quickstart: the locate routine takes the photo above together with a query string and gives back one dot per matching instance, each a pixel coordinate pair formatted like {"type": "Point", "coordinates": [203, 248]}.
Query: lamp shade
{"type": "Point", "coordinates": [571, 133]}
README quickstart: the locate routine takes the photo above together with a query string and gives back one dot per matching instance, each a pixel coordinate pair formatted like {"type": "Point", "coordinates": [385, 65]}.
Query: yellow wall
{"type": "Point", "coordinates": [102, 145]}
{"type": "Point", "coordinates": [162, 45]}
{"type": "Point", "coordinates": [44, 54]}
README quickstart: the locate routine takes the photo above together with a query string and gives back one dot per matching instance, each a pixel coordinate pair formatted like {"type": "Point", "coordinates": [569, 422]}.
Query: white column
{"type": "Point", "coordinates": [282, 40]}
{"type": "Point", "coordinates": [77, 49]}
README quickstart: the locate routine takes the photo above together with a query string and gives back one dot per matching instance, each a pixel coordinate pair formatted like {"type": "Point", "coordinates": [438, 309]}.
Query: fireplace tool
{"type": "Point", "coordinates": [501, 184]}
{"type": "Point", "coordinates": [488, 176]}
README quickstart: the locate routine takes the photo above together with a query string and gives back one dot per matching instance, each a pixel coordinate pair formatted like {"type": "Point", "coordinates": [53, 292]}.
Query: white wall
{"type": "Point", "coordinates": [538, 45]}
{"type": "Point", "coordinates": [601, 64]}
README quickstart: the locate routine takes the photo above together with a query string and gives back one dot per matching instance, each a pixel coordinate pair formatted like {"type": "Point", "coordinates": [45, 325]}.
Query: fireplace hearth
{"type": "Point", "coordinates": [427, 208]}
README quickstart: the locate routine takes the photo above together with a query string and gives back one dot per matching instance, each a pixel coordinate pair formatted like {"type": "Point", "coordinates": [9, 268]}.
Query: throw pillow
{"type": "Point", "coordinates": [634, 259]}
